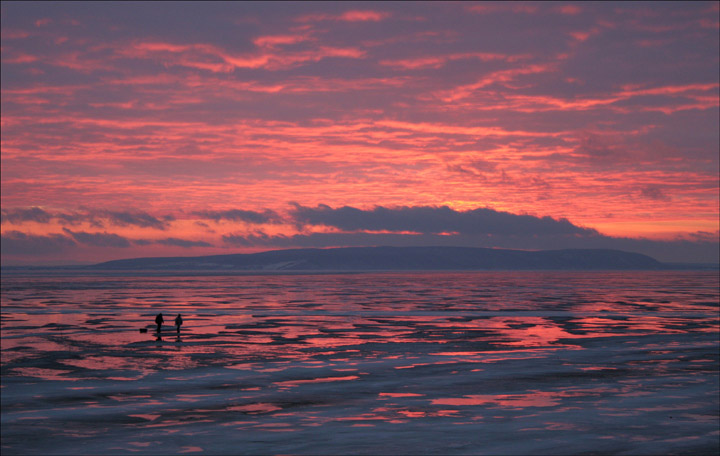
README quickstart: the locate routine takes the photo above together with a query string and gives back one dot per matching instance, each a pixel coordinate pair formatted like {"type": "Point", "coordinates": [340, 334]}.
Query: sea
{"type": "Point", "coordinates": [444, 363]}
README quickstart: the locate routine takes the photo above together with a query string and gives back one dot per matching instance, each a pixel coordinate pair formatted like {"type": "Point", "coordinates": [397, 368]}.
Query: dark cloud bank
{"type": "Point", "coordinates": [436, 220]}
{"type": "Point", "coordinates": [399, 226]}
{"type": "Point", "coordinates": [443, 226]}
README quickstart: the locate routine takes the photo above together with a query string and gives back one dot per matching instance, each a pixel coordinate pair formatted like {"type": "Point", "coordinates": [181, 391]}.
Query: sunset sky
{"type": "Point", "coordinates": [180, 129]}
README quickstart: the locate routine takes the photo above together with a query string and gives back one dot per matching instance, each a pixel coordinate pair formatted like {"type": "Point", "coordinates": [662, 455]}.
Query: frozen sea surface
{"type": "Point", "coordinates": [381, 363]}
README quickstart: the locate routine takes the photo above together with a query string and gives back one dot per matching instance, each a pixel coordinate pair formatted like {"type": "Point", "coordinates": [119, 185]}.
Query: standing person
{"type": "Point", "coordinates": [159, 320]}
{"type": "Point", "coordinates": [178, 323]}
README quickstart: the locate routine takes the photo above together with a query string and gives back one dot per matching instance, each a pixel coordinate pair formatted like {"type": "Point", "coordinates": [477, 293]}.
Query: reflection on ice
{"type": "Point", "coordinates": [362, 363]}
{"type": "Point", "coordinates": [400, 394]}
{"type": "Point", "coordinates": [47, 374]}
{"type": "Point", "coordinates": [292, 383]}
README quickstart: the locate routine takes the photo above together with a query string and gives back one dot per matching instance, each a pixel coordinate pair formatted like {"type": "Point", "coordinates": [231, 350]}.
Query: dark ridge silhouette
{"type": "Point", "coordinates": [398, 258]}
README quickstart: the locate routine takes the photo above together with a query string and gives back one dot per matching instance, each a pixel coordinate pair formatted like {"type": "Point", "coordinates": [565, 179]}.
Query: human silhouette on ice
{"type": "Point", "coordinates": [159, 320]}
{"type": "Point", "coordinates": [178, 322]}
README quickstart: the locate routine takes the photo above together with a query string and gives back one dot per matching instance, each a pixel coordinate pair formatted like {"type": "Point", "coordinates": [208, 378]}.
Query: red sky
{"type": "Point", "coordinates": [164, 129]}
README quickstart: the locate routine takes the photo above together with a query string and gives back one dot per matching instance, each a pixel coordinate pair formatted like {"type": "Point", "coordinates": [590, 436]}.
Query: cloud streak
{"type": "Point", "coordinates": [239, 215]}
{"type": "Point", "coordinates": [98, 239]}
{"type": "Point", "coordinates": [184, 243]}
{"type": "Point", "coordinates": [94, 217]}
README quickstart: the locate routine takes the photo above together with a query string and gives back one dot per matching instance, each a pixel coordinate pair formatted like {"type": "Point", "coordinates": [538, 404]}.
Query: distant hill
{"type": "Point", "coordinates": [397, 258]}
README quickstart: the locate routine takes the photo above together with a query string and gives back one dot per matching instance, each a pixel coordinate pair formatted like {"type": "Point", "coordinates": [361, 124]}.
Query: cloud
{"type": "Point", "coordinates": [704, 236]}
{"type": "Point", "coordinates": [364, 16]}
{"type": "Point", "coordinates": [600, 147]}
{"type": "Point", "coordinates": [20, 215]}
{"type": "Point", "coordinates": [440, 60]}
{"type": "Point", "coordinates": [99, 239]}
{"type": "Point", "coordinates": [216, 59]}
{"type": "Point", "coordinates": [436, 220]}
{"type": "Point", "coordinates": [347, 16]}
{"type": "Point", "coordinates": [137, 218]}
{"type": "Point", "coordinates": [279, 40]}
{"type": "Point", "coordinates": [94, 217]}
{"type": "Point", "coordinates": [171, 242]}
{"type": "Point", "coordinates": [239, 215]}
{"type": "Point", "coordinates": [263, 239]}
{"type": "Point", "coordinates": [654, 192]}
{"type": "Point", "coordinates": [43, 22]}
{"type": "Point", "coordinates": [18, 243]}
{"type": "Point", "coordinates": [182, 243]}
{"type": "Point", "coordinates": [473, 166]}
{"type": "Point", "coordinates": [501, 78]}
{"type": "Point", "coordinates": [326, 240]}
{"type": "Point", "coordinates": [503, 7]}
{"type": "Point", "coordinates": [13, 34]}
{"type": "Point", "coordinates": [569, 10]}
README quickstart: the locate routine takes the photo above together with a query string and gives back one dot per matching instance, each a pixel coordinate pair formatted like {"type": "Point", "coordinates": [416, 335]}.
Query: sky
{"type": "Point", "coordinates": [181, 128]}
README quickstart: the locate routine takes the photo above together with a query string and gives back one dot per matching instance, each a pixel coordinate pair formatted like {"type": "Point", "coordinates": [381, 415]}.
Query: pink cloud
{"type": "Point", "coordinates": [425, 127]}
{"type": "Point", "coordinates": [14, 34]}
{"type": "Point", "coordinates": [362, 16]}
{"type": "Point", "coordinates": [275, 40]}
{"type": "Point", "coordinates": [502, 76]}
{"type": "Point", "coordinates": [497, 7]}
{"type": "Point", "coordinates": [217, 60]}
{"type": "Point", "coordinates": [700, 96]}
{"type": "Point", "coordinates": [570, 10]}
{"type": "Point", "coordinates": [20, 58]}
{"type": "Point", "coordinates": [583, 35]}
{"type": "Point", "coordinates": [653, 43]}
{"type": "Point", "coordinates": [696, 92]}
{"type": "Point", "coordinates": [445, 36]}
{"type": "Point", "coordinates": [441, 60]}
{"type": "Point", "coordinates": [348, 16]}
{"type": "Point", "coordinates": [634, 90]}
{"type": "Point", "coordinates": [709, 23]}
{"type": "Point", "coordinates": [525, 8]}
{"type": "Point", "coordinates": [482, 9]}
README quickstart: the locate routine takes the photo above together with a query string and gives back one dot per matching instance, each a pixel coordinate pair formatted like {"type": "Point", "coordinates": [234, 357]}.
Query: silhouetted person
{"type": "Point", "coordinates": [178, 323]}
{"type": "Point", "coordinates": [159, 320]}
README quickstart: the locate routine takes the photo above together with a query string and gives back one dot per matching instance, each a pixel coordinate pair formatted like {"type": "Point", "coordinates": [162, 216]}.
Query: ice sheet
{"type": "Point", "coordinates": [453, 363]}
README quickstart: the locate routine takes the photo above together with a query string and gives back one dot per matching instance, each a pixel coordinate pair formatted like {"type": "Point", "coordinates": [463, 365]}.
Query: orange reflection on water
{"type": "Point", "coordinates": [533, 332]}
{"type": "Point", "coordinates": [394, 414]}
{"type": "Point", "coordinates": [275, 427]}
{"type": "Point", "coordinates": [47, 374]}
{"type": "Point", "coordinates": [400, 394]}
{"type": "Point", "coordinates": [251, 409]}
{"type": "Point", "coordinates": [514, 401]}
{"type": "Point", "coordinates": [292, 383]}
{"type": "Point", "coordinates": [149, 417]}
